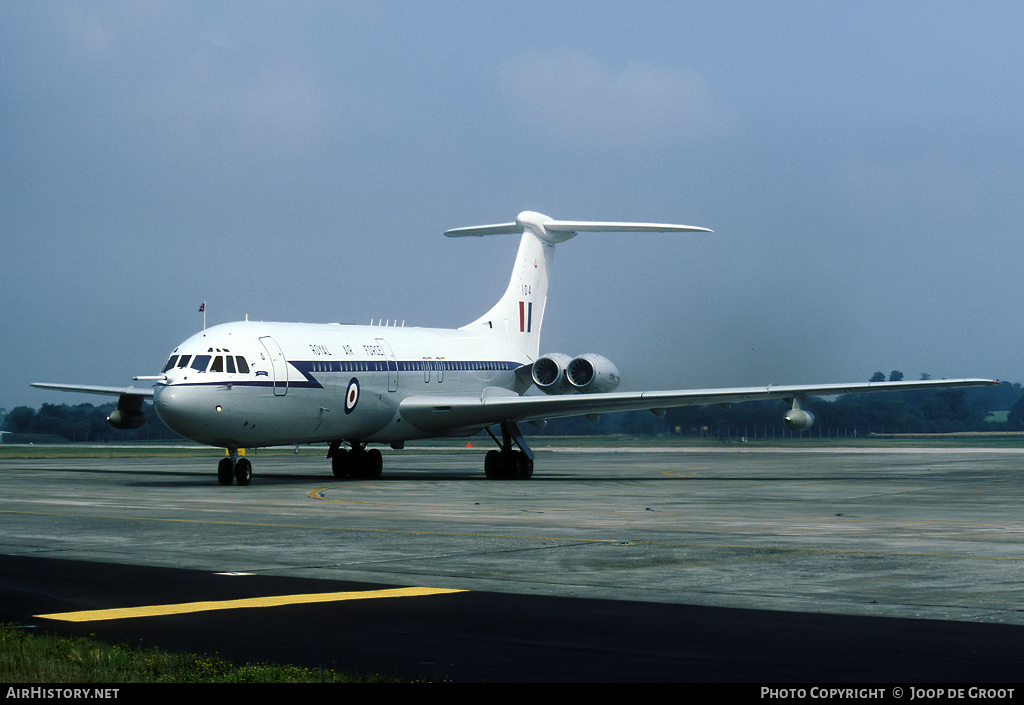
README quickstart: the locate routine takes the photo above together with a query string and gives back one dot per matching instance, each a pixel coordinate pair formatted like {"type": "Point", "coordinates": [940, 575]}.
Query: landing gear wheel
{"type": "Point", "coordinates": [357, 462]}
{"type": "Point", "coordinates": [225, 471]}
{"type": "Point", "coordinates": [509, 463]}
{"type": "Point", "coordinates": [340, 464]}
{"type": "Point", "coordinates": [523, 466]}
{"type": "Point", "coordinates": [243, 471]}
{"type": "Point", "coordinates": [373, 463]}
{"type": "Point", "coordinates": [492, 464]}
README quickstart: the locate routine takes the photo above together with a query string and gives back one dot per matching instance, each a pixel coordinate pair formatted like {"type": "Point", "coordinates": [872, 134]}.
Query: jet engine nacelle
{"type": "Point", "coordinates": [128, 414]}
{"type": "Point", "coordinates": [592, 373]}
{"type": "Point", "coordinates": [560, 374]}
{"type": "Point", "coordinates": [549, 374]}
{"type": "Point", "coordinates": [124, 420]}
{"type": "Point", "coordinates": [798, 419]}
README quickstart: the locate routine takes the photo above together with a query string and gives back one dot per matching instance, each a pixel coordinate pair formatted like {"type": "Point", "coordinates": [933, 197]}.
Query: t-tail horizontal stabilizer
{"type": "Point", "coordinates": [554, 231]}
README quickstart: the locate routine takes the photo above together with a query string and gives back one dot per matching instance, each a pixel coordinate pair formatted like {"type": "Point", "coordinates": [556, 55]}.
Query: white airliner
{"type": "Point", "coordinates": [251, 384]}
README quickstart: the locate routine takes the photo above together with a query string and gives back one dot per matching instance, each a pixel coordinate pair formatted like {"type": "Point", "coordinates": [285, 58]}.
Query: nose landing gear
{"type": "Point", "coordinates": [234, 468]}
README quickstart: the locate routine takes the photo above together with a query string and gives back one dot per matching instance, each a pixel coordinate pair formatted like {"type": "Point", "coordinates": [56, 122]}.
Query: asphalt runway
{"type": "Point", "coordinates": [716, 565]}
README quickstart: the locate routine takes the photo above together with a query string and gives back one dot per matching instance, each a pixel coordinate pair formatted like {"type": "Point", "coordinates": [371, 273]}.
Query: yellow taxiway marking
{"type": "Point", "coordinates": [207, 606]}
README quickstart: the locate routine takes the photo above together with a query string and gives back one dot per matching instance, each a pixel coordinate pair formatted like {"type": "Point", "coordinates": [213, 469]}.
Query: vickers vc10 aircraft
{"type": "Point", "coordinates": [252, 384]}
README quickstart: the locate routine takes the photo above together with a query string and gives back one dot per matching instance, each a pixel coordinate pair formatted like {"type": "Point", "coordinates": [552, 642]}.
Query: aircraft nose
{"type": "Point", "coordinates": [178, 408]}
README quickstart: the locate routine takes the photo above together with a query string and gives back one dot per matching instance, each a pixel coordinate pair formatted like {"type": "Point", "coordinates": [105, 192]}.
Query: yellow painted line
{"type": "Point", "coordinates": [208, 606]}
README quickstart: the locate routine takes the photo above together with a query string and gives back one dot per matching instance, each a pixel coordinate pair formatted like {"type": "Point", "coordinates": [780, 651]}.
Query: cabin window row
{"type": "Point", "coordinates": [407, 366]}
{"type": "Point", "coordinates": [448, 365]}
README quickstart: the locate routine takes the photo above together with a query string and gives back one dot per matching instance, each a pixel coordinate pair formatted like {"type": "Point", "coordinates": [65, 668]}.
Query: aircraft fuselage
{"type": "Point", "coordinates": [310, 383]}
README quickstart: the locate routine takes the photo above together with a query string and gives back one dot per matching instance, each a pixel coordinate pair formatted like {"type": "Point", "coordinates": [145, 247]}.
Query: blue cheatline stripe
{"type": "Point", "coordinates": [305, 368]}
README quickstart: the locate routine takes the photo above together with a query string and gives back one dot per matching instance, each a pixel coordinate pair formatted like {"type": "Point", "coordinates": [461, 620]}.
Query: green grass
{"type": "Point", "coordinates": [47, 658]}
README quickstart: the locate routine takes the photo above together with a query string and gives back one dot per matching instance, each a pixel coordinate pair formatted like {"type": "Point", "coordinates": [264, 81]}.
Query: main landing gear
{"type": "Point", "coordinates": [356, 461]}
{"type": "Point", "coordinates": [508, 463]}
{"type": "Point", "coordinates": [234, 468]}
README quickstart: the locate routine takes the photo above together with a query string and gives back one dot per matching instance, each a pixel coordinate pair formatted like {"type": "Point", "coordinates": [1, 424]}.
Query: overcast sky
{"type": "Point", "coordinates": [861, 164]}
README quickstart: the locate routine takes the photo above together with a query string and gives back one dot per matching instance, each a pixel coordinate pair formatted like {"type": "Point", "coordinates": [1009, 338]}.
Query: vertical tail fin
{"type": "Point", "coordinates": [518, 315]}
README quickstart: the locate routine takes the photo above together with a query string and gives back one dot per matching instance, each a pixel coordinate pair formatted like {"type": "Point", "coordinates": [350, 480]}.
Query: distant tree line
{"type": "Point", "coordinates": [83, 422]}
{"type": "Point", "coordinates": [925, 411]}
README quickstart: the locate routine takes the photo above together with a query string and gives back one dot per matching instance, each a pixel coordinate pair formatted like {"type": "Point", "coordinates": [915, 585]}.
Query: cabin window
{"type": "Point", "coordinates": [243, 366]}
{"type": "Point", "coordinates": [183, 360]}
{"type": "Point", "coordinates": [218, 364]}
{"type": "Point", "coordinates": [171, 363]}
{"type": "Point", "coordinates": [200, 363]}
{"type": "Point", "coordinates": [230, 364]}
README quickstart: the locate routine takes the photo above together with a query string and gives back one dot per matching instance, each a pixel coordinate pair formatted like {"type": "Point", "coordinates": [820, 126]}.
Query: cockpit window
{"type": "Point", "coordinates": [231, 364]}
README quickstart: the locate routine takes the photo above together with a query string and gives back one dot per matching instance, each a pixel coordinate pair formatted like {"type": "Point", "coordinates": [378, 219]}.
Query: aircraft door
{"type": "Point", "coordinates": [392, 364]}
{"type": "Point", "coordinates": [278, 365]}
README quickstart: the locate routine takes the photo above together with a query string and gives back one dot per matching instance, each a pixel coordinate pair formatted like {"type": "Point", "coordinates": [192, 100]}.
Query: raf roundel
{"type": "Point", "coordinates": [351, 395]}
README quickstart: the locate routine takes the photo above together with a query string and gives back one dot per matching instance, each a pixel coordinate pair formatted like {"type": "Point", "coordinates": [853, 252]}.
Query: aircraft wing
{"type": "Point", "coordinates": [91, 389]}
{"type": "Point", "coordinates": [456, 413]}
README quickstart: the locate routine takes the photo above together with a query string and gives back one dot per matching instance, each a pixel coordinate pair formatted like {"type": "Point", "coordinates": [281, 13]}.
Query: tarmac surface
{"type": "Point", "coordinates": [703, 565]}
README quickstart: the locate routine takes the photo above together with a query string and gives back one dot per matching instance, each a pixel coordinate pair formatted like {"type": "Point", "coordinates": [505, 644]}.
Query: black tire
{"type": "Point", "coordinates": [492, 464]}
{"type": "Point", "coordinates": [341, 464]}
{"type": "Point", "coordinates": [523, 466]}
{"type": "Point", "coordinates": [243, 471]}
{"type": "Point", "coordinates": [225, 471]}
{"type": "Point", "coordinates": [373, 463]}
